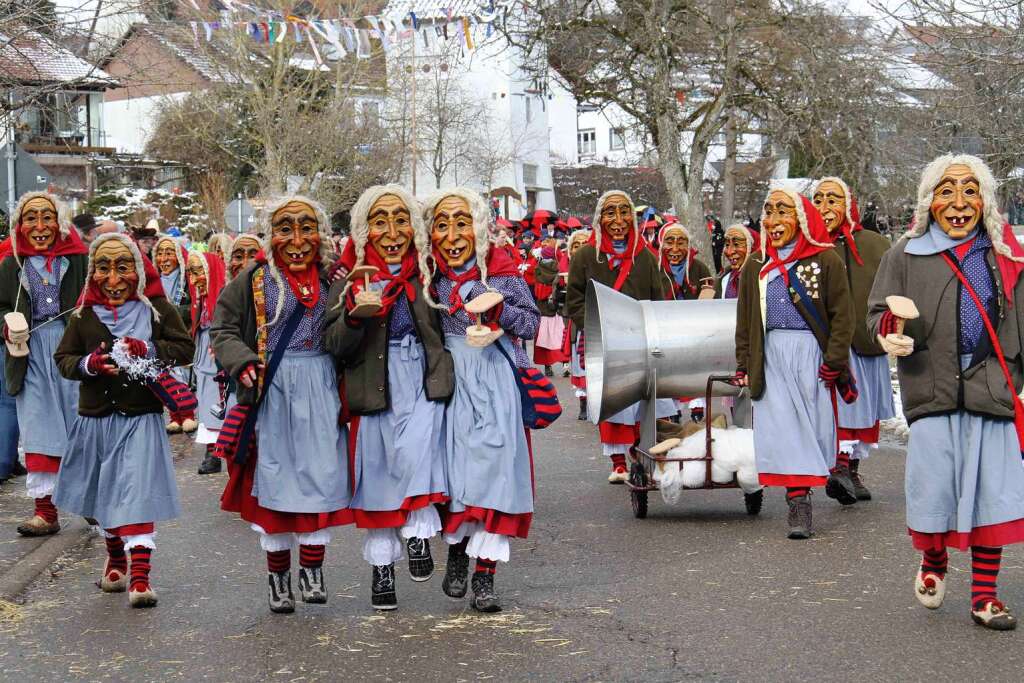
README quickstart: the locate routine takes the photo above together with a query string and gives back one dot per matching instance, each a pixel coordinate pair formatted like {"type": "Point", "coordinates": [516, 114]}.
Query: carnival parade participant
{"type": "Point", "coordinates": [206, 279]}
{"type": "Point", "coordinates": [685, 274]}
{"type": "Point", "coordinates": [617, 256]}
{"type": "Point", "coordinates": [244, 250]}
{"type": "Point", "coordinates": [576, 364]}
{"type": "Point", "coordinates": [219, 244]}
{"type": "Point", "coordinates": [145, 236]}
{"type": "Point", "coordinates": [739, 243]}
{"type": "Point", "coordinates": [41, 279]}
{"type": "Point", "coordinates": [549, 285]}
{"type": "Point", "coordinates": [861, 251]}
{"type": "Point", "coordinates": [287, 464]}
{"type": "Point", "coordinates": [794, 325]}
{"type": "Point", "coordinates": [960, 371]}
{"type": "Point", "coordinates": [117, 469]}
{"type": "Point", "coordinates": [490, 466]}
{"type": "Point", "coordinates": [398, 377]}
{"type": "Point", "coordinates": [171, 261]}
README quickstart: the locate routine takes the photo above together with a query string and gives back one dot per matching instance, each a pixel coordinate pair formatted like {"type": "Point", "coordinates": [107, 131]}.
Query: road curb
{"type": "Point", "coordinates": [16, 579]}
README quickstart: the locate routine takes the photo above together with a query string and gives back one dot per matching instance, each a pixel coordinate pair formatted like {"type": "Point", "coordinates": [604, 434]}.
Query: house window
{"type": "Point", "coordinates": [617, 138]}
{"type": "Point", "coordinates": [529, 174]}
{"type": "Point", "coordinates": [586, 142]}
{"type": "Point", "coordinates": [371, 113]}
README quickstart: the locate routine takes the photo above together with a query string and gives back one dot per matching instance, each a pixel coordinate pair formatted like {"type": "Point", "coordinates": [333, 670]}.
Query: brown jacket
{"type": "Point", "coordinates": [871, 247]}
{"type": "Point", "coordinates": [930, 378]}
{"type": "Point", "coordinates": [70, 287]}
{"type": "Point", "coordinates": [833, 305]}
{"type": "Point", "coordinates": [362, 345]}
{"type": "Point", "coordinates": [645, 281]}
{"type": "Point", "coordinates": [102, 395]}
{"type": "Point", "coordinates": [691, 289]}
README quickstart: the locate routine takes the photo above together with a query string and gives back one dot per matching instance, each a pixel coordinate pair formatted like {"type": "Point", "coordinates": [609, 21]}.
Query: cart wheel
{"type": "Point", "coordinates": [753, 501]}
{"type": "Point", "coordinates": [638, 499]}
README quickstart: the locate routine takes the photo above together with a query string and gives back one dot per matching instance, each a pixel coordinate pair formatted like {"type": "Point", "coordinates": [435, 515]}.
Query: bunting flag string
{"type": "Point", "coordinates": [344, 36]}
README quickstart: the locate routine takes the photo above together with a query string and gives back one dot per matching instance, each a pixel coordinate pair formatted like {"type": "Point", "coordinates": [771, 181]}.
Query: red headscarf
{"type": "Point", "coordinates": [68, 245]}
{"type": "Point", "coordinates": [804, 248]}
{"type": "Point", "coordinates": [203, 306]}
{"type": "Point", "coordinates": [92, 296]}
{"type": "Point", "coordinates": [1009, 269]}
{"type": "Point", "coordinates": [635, 243]}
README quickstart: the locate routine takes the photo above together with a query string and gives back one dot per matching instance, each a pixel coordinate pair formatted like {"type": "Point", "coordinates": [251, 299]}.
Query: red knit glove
{"type": "Point", "coordinates": [887, 324]}
{"type": "Point", "coordinates": [828, 375]}
{"type": "Point", "coordinates": [741, 378]}
{"type": "Point", "coordinates": [99, 362]}
{"type": "Point", "coordinates": [136, 347]}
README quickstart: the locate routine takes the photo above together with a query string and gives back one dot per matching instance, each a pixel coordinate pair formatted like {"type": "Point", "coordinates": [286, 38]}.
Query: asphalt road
{"type": "Point", "coordinates": [696, 592]}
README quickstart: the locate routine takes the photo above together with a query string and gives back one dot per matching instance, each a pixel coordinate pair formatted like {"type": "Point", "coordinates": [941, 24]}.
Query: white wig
{"type": "Point", "coordinates": [846, 193]}
{"type": "Point", "coordinates": [597, 219]}
{"type": "Point", "coordinates": [993, 221]}
{"type": "Point", "coordinates": [323, 227]}
{"type": "Point", "coordinates": [663, 232]}
{"type": "Point", "coordinates": [64, 224]}
{"type": "Point", "coordinates": [140, 287]}
{"type": "Point", "coordinates": [579, 235]}
{"type": "Point", "coordinates": [359, 229]}
{"type": "Point", "coordinates": [481, 224]}
{"type": "Point", "coordinates": [801, 215]}
{"type": "Point", "coordinates": [178, 247]}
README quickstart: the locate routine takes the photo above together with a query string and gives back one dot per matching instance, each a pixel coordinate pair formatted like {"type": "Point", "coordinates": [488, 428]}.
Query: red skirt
{"type": "Point", "coordinates": [865, 434]}
{"type": "Point", "coordinates": [237, 497]}
{"type": "Point", "coordinates": [37, 462]}
{"type": "Point", "coordinates": [618, 433]}
{"type": "Point", "coordinates": [791, 480]}
{"type": "Point", "coordinates": [392, 519]}
{"type": "Point", "coordinates": [992, 535]}
{"type": "Point", "coordinates": [542, 356]}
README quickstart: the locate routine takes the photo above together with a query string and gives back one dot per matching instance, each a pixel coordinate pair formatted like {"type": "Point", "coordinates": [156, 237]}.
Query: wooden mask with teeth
{"type": "Point", "coordinates": [451, 231]}
{"type": "Point", "coordinates": [295, 236]}
{"type": "Point", "coordinates": [390, 228]}
{"type": "Point", "coordinates": [957, 205]}
{"type": "Point", "coordinates": [39, 226]}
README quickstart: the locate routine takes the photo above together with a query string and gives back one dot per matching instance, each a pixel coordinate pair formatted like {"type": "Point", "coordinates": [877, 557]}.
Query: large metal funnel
{"type": "Point", "coordinates": [626, 340]}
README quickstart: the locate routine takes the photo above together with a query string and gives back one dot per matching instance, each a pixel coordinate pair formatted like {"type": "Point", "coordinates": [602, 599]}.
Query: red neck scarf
{"type": "Point", "coordinates": [499, 264]}
{"type": "Point", "coordinates": [92, 296]}
{"type": "Point", "coordinates": [397, 284]}
{"type": "Point", "coordinates": [1009, 269]}
{"type": "Point", "coordinates": [305, 284]}
{"type": "Point", "coordinates": [804, 248]}
{"type": "Point", "coordinates": [62, 246]}
{"type": "Point", "coordinates": [203, 305]}
{"type": "Point", "coordinates": [623, 262]}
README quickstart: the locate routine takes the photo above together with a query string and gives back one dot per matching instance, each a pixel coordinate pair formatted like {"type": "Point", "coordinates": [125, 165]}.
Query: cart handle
{"type": "Point", "coordinates": [726, 379]}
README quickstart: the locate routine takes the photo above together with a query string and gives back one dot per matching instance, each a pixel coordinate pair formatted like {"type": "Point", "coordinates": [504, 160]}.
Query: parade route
{"type": "Point", "coordinates": [699, 592]}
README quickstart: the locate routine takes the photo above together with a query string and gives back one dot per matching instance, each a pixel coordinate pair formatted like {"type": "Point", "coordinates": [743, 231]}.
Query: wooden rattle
{"type": "Point", "coordinates": [17, 331]}
{"type": "Point", "coordinates": [707, 289]}
{"type": "Point", "coordinates": [368, 302]}
{"type": "Point", "coordinates": [903, 309]}
{"type": "Point", "coordinates": [481, 335]}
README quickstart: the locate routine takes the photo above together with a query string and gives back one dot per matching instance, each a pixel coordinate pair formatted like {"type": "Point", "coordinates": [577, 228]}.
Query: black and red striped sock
{"type": "Point", "coordinates": [140, 568]}
{"type": "Point", "coordinates": [842, 460]}
{"type": "Point", "coordinates": [311, 556]}
{"type": "Point", "coordinates": [984, 570]}
{"type": "Point", "coordinates": [618, 460]}
{"type": "Point", "coordinates": [935, 562]}
{"type": "Point", "coordinates": [46, 509]}
{"type": "Point", "coordinates": [485, 566]}
{"type": "Point", "coordinates": [115, 553]}
{"type": "Point", "coordinates": [796, 491]}
{"type": "Point", "coordinates": [279, 560]}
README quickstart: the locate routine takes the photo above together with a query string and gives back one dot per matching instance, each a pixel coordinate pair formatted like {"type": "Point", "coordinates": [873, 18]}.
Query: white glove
{"type": "Point", "coordinates": [898, 345]}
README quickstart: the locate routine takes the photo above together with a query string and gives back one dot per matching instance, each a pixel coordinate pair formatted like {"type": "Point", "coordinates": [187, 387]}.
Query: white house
{"type": "Point", "coordinates": [514, 111]}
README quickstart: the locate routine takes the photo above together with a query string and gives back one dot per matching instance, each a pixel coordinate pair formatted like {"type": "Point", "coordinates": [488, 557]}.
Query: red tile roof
{"type": "Point", "coordinates": [30, 58]}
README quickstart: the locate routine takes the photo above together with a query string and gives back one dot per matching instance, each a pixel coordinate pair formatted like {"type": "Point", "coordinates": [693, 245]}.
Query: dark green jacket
{"type": "Point", "coordinates": [871, 247]}
{"type": "Point", "coordinates": [362, 345]}
{"type": "Point", "coordinates": [645, 281]}
{"type": "Point", "coordinates": [931, 380]}
{"type": "Point", "coordinates": [70, 288]}
{"type": "Point", "coordinates": [102, 395]}
{"type": "Point", "coordinates": [833, 305]}
{"type": "Point", "coordinates": [233, 332]}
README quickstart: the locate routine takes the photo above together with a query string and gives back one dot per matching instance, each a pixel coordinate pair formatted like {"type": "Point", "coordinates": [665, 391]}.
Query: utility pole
{"type": "Point", "coordinates": [412, 71]}
{"type": "Point", "coordinates": [12, 153]}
